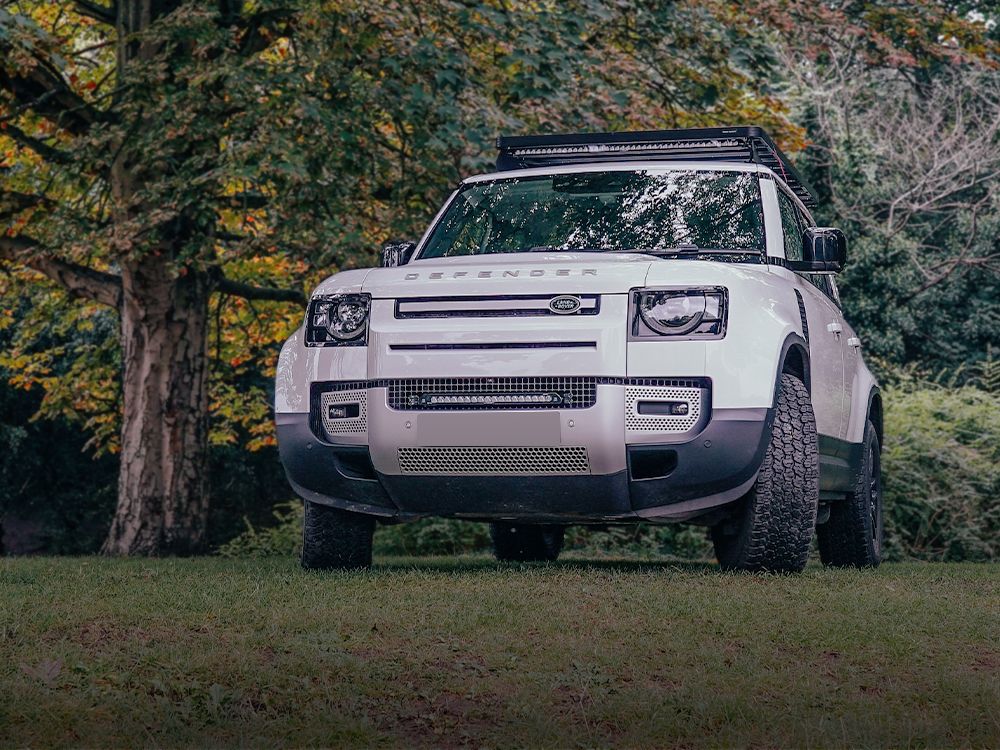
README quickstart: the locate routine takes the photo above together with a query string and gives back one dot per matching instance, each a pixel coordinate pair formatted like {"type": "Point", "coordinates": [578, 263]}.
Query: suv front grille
{"type": "Point", "coordinates": [484, 394]}
{"type": "Point", "coordinates": [433, 394]}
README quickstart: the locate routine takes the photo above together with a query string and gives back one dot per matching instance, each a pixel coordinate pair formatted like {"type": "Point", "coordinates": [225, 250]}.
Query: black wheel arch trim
{"type": "Point", "coordinates": [794, 342]}
{"type": "Point", "coordinates": [876, 414]}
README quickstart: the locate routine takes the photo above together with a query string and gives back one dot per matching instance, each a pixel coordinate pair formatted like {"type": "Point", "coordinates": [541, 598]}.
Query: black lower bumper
{"type": "Point", "coordinates": [662, 482]}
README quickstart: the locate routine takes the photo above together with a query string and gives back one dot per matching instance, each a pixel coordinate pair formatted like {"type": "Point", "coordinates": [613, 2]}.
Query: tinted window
{"type": "Point", "coordinates": [790, 227]}
{"type": "Point", "coordinates": [821, 282]}
{"type": "Point", "coordinates": [615, 211]}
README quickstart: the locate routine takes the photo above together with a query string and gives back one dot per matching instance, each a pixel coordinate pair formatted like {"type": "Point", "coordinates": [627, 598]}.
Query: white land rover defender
{"type": "Point", "coordinates": [610, 328]}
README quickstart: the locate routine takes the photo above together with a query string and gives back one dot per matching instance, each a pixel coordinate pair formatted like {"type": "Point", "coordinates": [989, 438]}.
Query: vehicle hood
{"type": "Point", "coordinates": [514, 273]}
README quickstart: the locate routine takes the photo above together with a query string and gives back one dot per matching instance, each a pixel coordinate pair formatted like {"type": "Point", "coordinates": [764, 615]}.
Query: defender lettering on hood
{"type": "Point", "coordinates": [507, 273]}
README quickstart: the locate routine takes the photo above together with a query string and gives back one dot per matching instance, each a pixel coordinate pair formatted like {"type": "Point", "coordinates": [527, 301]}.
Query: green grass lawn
{"type": "Point", "coordinates": [443, 652]}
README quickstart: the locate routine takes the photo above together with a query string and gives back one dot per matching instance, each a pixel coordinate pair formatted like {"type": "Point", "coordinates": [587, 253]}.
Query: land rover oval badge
{"type": "Point", "coordinates": [565, 304]}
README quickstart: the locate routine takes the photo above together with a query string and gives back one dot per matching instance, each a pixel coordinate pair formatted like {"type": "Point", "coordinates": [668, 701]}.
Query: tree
{"type": "Point", "coordinates": [902, 107]}
{"type": "Point", "coordinates": [166, 160]}
{"type": "Point", "coordinates": [127, 186]}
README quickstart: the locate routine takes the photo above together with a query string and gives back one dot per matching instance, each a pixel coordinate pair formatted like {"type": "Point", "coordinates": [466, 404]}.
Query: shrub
{"type": "Point", "coordinates": [941, 469]}
{"type": "Point", "coordinates": [283, 538]}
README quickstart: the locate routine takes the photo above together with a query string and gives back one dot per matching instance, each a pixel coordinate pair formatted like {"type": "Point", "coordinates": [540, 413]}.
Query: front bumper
{"type": "Point", "coordinates": [628, 476]}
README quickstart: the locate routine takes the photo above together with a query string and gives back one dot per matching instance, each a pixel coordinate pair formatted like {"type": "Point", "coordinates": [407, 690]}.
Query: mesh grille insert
{"type": "Point", "coordinates": [350, 425]}
{"type": "Point", "coordinates": [636, 422]}
{"type": "Point", "coordinates": [494, 461]}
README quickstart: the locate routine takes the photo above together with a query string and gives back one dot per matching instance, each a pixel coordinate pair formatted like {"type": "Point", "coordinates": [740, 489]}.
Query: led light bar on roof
{"type": "Point", "coordinates": [737, 144]}
{"type": "Point", "coordinates": [601, 148]}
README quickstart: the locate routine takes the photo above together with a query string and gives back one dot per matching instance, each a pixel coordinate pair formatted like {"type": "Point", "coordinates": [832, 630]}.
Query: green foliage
{"type": "Point", "coordinates": [941, 466]}
{"type": "Point", "coordinates": [642, 540]}
{"type": "Point", "coordinates": [443, 536]}
{"type": "Point", "coordinates": [432, 536]}
{"type": "Point", "coordinates": [282, 538]}
{"type": "Point", "coordinates": [54, 496]}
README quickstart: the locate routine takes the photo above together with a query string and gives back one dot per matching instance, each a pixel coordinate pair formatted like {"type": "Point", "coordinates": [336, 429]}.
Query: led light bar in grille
{"type": "Point", "coordinates": [492, 393]}
{"type": "Point", "coordinates": [486, 399]}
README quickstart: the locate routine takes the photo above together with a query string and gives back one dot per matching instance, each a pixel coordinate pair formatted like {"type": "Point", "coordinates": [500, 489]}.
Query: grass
{"type": "Point", "coordinates": [455, 652]}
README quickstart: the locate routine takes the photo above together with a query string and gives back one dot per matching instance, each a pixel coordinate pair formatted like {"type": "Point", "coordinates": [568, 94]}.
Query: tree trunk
{"type": "Point", "coordinates": [162, 487]}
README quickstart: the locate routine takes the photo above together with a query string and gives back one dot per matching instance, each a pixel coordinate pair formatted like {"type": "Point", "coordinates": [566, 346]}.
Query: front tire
{"type": "Point", "coordinates": [334, 539]}
{"type": "Point", "coordinates": [852, 537]}
{"type": "Point", "coordinates": [526, 542]}
{"type": "Point", "coordinates": [773, 527]}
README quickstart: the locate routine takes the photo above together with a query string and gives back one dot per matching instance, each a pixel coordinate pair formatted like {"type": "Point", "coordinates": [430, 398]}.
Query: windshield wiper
{"type": "Point", "coordinates": [555, 249]}
{"type": "Point", "coordinates": [689, 250]}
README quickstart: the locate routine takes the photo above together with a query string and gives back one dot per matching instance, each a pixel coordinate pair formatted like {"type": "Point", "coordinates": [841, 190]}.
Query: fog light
{"type": "Point", "coordinates": [342, 411]}
{"type": "Point", "coordinates": [671, 408]}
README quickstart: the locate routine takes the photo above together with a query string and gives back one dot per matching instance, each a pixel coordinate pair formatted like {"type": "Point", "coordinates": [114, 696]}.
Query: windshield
{"type": "Point", "coordinates": [613, 211]}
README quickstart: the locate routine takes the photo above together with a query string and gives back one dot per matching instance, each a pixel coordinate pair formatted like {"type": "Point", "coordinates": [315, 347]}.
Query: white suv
{"type": "Point", "coordinates": [610, 328]}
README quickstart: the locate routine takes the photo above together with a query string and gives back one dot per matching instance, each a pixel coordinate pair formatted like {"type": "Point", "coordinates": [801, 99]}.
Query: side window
{"type": "Point", "coordinates": [821, 282]}
{"type": "Point", "coordinates": [790, 228]}
{"type": "Point", "coordinates": [834, 292]}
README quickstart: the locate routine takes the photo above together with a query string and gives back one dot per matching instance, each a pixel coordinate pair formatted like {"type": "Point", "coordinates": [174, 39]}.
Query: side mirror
{"type": "Point", "coordinates": [824, 250]}
{"type": "Point", "coordinates": [397, 253]}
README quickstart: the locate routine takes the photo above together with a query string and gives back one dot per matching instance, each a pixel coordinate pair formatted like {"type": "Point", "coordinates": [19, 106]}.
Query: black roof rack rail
{"type": "Point", "coordinates": [741, 144]}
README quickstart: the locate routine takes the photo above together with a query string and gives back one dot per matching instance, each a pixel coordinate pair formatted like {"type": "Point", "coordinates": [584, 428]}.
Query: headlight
{"type": "Point", "coordinates": [338, 320]}
{"type": "Point", "coordinates": [692, 313]}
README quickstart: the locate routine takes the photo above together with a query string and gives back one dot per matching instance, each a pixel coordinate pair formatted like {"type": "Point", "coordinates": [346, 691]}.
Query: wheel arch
{"type": "Point", "coordinates": [794, 360]}
{"type": "Point", "coordinates": [876, 414]}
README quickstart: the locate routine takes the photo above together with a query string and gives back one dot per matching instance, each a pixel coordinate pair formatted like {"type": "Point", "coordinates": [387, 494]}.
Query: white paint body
{"type": "Point", "coordinates": [742, 366]}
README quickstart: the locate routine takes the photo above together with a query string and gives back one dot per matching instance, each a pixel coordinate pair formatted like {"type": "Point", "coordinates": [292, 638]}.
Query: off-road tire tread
{"type": "Point", "coordinates": [779, 513]}
{"type": "Point", "coordinates": [844, 539]}
{"type": "Point", "coordinates": [334, 539]}
{"type": "Point", "coordinates": [526, 542]}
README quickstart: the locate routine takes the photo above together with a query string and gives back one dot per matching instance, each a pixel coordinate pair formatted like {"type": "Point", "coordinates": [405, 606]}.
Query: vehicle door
{"type": "Point", "coordinates": [852, 361]}
{"type": "Point", "coordinates": [826, 328]}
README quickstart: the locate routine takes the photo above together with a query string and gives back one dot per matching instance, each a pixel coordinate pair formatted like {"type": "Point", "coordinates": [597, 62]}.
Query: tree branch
{"type": "Point", "coordinates": [97, 12]}
{"type": "Point", "coordinates": [13, 202]}
{"type": "Point", "coordinates": [79, 281]}
{"type": "Point", "coordinates": [271, 294]}
{"type": "Point", "coordinates": [41, 148]}
{"type": "Point", "coordinates": [41, 88]}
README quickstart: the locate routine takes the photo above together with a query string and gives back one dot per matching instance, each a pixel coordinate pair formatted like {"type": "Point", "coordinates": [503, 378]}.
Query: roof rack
{"type": "Point", "coordinates": [740, 144]}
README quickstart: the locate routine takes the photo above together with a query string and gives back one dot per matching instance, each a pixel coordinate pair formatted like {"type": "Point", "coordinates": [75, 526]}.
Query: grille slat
{"type": "Point", "coordinates": [504, 306]}
{"type": "Point", "coordinates": [495, 461]}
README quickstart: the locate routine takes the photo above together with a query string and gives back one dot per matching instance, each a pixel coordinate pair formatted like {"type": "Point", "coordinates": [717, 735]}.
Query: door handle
{"type": "Point", "coordinates": [834, 328]}
{"type": "Point", "coordinates": [854, 341]}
